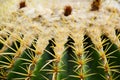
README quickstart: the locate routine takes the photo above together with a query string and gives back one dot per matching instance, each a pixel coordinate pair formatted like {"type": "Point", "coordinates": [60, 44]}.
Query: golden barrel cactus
{"type": "Point", "coordinates": [60, 40]}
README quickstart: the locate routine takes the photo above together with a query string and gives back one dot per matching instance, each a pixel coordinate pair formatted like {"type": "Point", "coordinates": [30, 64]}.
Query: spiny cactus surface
{"type": "Point", "coordinates": [60, 40]}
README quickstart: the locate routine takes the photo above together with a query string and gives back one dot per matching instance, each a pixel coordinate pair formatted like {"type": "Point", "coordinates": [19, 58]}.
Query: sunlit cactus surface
{"type": "Point", "coordinates": [59, 39]}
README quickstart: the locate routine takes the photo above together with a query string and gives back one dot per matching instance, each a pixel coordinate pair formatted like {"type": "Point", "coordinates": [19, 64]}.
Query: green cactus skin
{"type": "Point", "coordinates": [67, 68]}
{"type": "Point", "coordinates": [46, 47]}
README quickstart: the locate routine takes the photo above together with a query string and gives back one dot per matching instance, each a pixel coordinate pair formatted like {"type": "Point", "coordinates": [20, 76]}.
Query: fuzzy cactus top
{"type": "Point", "coordinates": [47, 19]}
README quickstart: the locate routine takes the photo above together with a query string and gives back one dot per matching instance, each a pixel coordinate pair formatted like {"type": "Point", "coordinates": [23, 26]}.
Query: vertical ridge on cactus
{"type": "Point", "coordinates": [59, 40]}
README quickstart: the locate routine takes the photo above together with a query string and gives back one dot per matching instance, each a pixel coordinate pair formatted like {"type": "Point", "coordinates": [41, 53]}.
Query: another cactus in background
{"type": "Point", "coordinates": [66, 47]}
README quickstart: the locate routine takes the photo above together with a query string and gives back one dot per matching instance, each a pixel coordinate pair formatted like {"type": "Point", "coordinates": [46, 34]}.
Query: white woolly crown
{"type": "Point", "coordinates": [45, 20]}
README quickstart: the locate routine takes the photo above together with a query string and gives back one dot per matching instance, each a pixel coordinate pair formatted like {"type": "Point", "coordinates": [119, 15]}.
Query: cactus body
{"type": "Point", "coordinates": [65, 42]}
